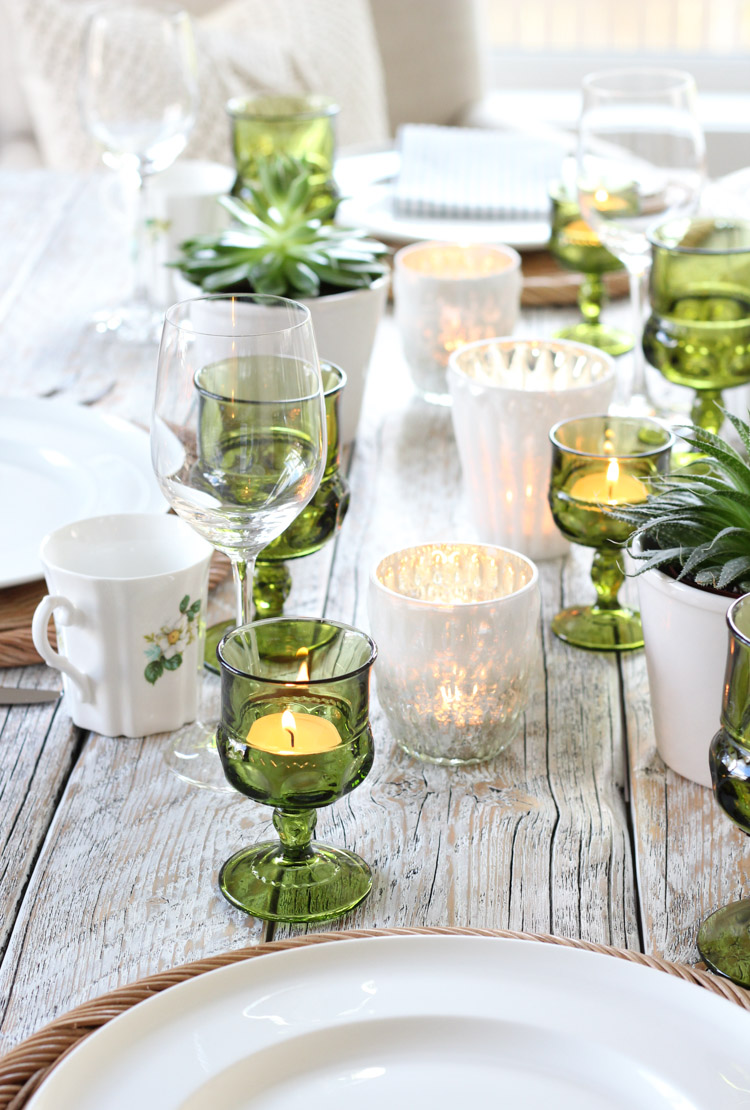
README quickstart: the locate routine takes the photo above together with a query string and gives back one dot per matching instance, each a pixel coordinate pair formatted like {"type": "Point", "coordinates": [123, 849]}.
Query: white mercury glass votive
{"type": "Point", "coordinates": [456, 626]}
{"type": "Point", "coordinates": [507, 394]}
{"type": "Point", "coordinates": [447, 295]}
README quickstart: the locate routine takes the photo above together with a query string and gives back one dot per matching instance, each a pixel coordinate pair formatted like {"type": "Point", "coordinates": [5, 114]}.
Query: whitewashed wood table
{"type": "Point", "coordinates": [109, 863]}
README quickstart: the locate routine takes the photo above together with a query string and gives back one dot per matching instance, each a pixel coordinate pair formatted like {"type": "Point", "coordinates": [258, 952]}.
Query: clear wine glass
{"type": "Point", "coordinates": [238, 442]}
{"type": "Point", "coordinates": [641, 159]}
{"type": "Point", "coordinates": [138, 94]}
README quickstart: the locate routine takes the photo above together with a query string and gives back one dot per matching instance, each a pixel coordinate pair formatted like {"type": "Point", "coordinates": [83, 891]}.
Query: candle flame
{"type": "Point", "coordinates": [303, 674]}
{"type": "Point", "coordinates": [613, 471]}
{"type": "Point", "coordinates": [288, 723]}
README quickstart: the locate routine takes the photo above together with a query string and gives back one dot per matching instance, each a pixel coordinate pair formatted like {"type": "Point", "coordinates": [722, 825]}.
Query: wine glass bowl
{"type": "Point", "coordinates": [641, 156]}
{"type": "Point", "coordinates": [698, 333]}
{"type": "Point", "coordinates": [138, 96]}
{"type": "Point", "coordinates": [238, 433]}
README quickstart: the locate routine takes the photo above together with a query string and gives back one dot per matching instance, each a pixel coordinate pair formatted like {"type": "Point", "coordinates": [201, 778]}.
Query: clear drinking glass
{"type": "Point", "coordinates": [238, 439]}
{"type": "Point", "coordinates": [641, 156]}
{"type": "Point", "coordinates": [138, 95]}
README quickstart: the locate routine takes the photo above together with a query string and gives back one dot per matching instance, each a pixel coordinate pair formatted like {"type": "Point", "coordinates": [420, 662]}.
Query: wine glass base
{"type": "Point", "coordinates": [130, 323]}
{"type": "Point", "coordinates": [194, 758]}
{"type": "Point", "coordinates": [613, 341]}
{"type": "Point", "coordinates": [320, 887]}
{"type": "Point", "coordinates": [595, 629]}
{"type": "Point", "coordinates": [724, 941]}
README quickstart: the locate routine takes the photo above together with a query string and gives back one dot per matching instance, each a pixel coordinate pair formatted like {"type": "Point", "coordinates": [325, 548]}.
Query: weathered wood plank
{"type": "Point", "coordinates": [538, 839]}
{"type": "Point", "coordinates": [690, 857]}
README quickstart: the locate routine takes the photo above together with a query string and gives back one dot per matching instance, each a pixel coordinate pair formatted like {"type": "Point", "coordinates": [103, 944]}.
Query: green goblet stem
{"type": "Point", "coordinates": [706, 411]}
{"type": "Point", "coordinates": [592, 296]}
{"type": "Point", "coordinates": [295, 829]}
{"type": "Point", "coordinates": [607, 575]}
{"type": "Point", "coordinates": [271, 588]}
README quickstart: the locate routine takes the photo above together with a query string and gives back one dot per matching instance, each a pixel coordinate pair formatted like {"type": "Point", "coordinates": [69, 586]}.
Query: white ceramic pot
{"type": "Point", "coordinates": [344, 324]}
{"type": "Point", "coordinates": [507, 394]}
{"type": "Point", "coordinates": [685, 635]}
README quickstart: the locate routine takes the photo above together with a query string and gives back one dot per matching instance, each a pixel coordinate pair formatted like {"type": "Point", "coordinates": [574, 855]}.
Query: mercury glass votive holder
{"type": "Point", "coordinates": [698, 333]}
{"type": "Point", "coordinates": [601, 463]}
{"type": "Point", "coordinates": [457, 630]}
{"type": "Point", "coordinates": [295, 734]}
{"type": "Point", "coordinates": [302, 126]}
{"type": "Point", "coordinates": [447, 295]}
{"type": "Point", "coordinates": [506, 394]}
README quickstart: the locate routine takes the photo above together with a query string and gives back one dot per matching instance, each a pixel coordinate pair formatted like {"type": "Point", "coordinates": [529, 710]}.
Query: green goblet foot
{"type": "Point", "coordinates": [724, 941]}
{"type": "Point", "coordinates": [613, 341]}
{"type": "Point", "coordinates": [316, 882]}
{"type": "Point", "coordinates": [597, 629]}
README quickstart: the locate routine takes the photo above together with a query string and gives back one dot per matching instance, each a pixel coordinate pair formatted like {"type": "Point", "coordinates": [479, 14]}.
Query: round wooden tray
{"type": "Point", "coordinates": [25, 1066]}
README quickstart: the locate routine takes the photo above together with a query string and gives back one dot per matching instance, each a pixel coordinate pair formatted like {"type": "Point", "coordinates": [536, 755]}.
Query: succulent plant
{"type": "Point", "coordinates": [696, 521]}
{"type": "Point", "coordinates": [283, 242]}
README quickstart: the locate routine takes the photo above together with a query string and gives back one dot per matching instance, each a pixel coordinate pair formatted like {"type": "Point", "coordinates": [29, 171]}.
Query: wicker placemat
{"type": "Point", "coordinates": [17, 605]}
{"type": "Point", "coordinates": [25, 1066]}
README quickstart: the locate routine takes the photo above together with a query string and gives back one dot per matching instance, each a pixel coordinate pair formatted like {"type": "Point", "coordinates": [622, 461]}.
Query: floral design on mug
{"type": "Point", "coordinates": [174, 637]}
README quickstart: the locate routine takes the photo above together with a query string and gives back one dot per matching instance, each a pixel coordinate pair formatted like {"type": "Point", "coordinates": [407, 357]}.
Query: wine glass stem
{"type": "Point", "coordinates": [142, 245]}
{"type": "Point", "coordinates": [295, 829]}
{"type": "Point", "coordinates": [243, 572]}
{"type": "Point", "coordinates": [591, 297]}
{"type": "Point", "coordinates": [637, 276]}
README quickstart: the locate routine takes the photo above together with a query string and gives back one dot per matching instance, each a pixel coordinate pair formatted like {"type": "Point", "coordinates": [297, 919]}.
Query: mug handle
{"type": "Point", "coordinates": [39, 635]}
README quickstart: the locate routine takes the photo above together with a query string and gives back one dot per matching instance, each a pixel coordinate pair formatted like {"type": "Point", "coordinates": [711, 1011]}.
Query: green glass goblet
{"type": "Point", "coordinates": [724, 936]}
{"type": "Point", "coordinates": [295, 734]}
{"type": "Point", "coordinates": [698, 334]}
{"type": "Point", "coordinates": [300, 126]}
{"type": "Point", "coordinates": [598, 464]}
{"type": "Point", "coordinates": [577, 248]}
{"type": "Point", "coordinates": [318, 522]}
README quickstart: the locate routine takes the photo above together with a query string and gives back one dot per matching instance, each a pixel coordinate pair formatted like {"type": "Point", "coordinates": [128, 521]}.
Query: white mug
{"type": "Point", "coordinates": [128, 593]}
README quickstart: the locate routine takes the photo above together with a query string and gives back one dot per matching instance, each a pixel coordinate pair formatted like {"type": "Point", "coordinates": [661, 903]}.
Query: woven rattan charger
{"type": "Point", "coordinates": [24, 1067]}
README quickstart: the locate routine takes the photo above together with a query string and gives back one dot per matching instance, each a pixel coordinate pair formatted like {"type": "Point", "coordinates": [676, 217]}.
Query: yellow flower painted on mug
{"type": "Point", "coordinates": [178, 634]}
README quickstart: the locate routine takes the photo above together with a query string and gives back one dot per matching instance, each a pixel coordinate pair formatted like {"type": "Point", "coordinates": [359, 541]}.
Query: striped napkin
{"type": "Point", "coordinates": [473, 173]}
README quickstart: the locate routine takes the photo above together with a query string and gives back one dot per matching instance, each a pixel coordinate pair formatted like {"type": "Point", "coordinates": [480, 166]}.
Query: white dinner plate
{"type": "Point", "coordinates": [402, 1023]}
{"type": "Point", "coordinates": [61, 462]}
{"type": "Point", "coordinates": [365, 181]}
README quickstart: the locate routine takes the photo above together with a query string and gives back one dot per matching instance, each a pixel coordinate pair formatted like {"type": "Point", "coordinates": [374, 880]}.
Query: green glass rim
{"type": "Point", "coordinates": [339, 377]}
{"type": "Point", "coordinates": [423, 603]}
{"type": "Point", "coordinates": [656, 236]}
{"type": "Point", "coordinates": [732, 614]}
{"type": "Point", "coordinates": [260, 402]}
{"type": "Point", "coordinates": [293, 682]}
{"type": "Point", "coordinates": [316, 107]}
{"type": "Point", "coordinates": [648, 452]}
{"type": "Point", "coordinates": [670, 81]}
{"type": "Point", "coordinates": [242, 298]}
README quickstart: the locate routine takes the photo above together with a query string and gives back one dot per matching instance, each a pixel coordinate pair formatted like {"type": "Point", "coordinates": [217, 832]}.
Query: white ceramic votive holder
{"type": "Point", "coordinates": [447, 295]}
{"type": "Point", "coordinates": [457, 631]}
{"type": "Point", "coordinates": [507, 393]}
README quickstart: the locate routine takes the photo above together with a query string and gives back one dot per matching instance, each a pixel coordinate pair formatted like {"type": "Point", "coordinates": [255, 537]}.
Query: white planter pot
{"type": "Point", "coordinates": [685, 635]}
{"type": "Point", "coordinates": [344, 325]}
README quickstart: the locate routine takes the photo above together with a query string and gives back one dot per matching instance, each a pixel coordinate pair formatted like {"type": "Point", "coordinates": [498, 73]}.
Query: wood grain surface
{"type": "Point", "coordinates": [109, 863]}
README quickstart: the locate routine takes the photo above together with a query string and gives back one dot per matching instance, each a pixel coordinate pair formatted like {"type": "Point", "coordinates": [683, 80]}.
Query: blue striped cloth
{"type": "Point", "coordinates": [472, 173]}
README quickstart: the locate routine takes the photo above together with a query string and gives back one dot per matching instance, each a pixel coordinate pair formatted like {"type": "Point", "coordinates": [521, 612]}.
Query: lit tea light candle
{"type": "Point", "coordinates": [289, 734]}
{"type": "Point", "coordinates": [610, 487]}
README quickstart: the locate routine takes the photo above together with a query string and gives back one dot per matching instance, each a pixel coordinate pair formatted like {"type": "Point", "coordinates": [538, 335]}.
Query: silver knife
{"type": "Point", "coordinates": [17, 695]}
